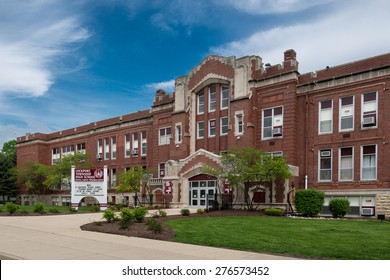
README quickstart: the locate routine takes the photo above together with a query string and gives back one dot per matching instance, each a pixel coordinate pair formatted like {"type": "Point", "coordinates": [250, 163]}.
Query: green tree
{"type": "Point", "coordinates": [32, 176]}
{"type": "Point", "coordinates": [249, 167]}
{"type": "Point", "coordinates": [8, 186]}
{"type": "Point", "coordinates": [132, 180]}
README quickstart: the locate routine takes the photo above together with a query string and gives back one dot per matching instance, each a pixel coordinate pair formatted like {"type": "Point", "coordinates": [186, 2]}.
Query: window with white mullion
{"type": "Point", "coordinates": [346, 163]}
{"type": "Point", "coordinates": [368, 163]}
{"type": "Point", "coordinates": [346, 113]}
{"type": "Point", "coordinates": [325, 165]}
{"type": "Point", "coordinates": [325, 117]}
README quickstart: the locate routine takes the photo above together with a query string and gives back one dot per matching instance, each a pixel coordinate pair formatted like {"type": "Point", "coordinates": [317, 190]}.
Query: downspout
{"type": "Point", "coordinates": [306, 137]}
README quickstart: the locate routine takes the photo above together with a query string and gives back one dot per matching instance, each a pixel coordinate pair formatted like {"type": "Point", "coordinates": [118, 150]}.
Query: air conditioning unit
{"type": "Point", "coordinates": [277, 131]}
{"type": "Point", "coordinates": [325, 153]}
{"type": "Point", "coordinates": [134, 152]}
{"type": "Point", "coordinates": [368, 211]}
{"type": "Point", "coordinates": [368, 121]}
{"type": "Point", "coordinates": [99, 157]}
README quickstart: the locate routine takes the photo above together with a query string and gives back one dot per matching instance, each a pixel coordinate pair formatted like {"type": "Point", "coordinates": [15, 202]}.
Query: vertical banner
{"type": "Point", "coordinates": [89, 183]}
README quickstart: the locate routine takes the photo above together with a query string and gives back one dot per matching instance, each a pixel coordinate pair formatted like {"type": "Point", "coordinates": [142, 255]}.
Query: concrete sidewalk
{"type": "Point", "coordinates": [59, 237]}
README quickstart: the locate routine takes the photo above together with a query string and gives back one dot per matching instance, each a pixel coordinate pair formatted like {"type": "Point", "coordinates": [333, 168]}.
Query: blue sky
{"type": "Point", "coordinates": [68, 63]}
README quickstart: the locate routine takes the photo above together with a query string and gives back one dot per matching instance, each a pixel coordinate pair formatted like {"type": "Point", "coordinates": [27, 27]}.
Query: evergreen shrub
{"type": "Point", "coordinates": [309, 202]}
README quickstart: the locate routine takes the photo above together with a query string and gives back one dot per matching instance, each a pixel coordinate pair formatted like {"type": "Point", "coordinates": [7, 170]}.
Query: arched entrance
{"type": "Point", "coordinates": [88, 201]}
{"type": "Point", "coordinates": [202, 189]}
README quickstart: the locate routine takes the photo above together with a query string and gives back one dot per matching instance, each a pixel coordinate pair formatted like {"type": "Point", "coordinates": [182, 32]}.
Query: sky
{"type": "Point", "coordinates": [67, 63]}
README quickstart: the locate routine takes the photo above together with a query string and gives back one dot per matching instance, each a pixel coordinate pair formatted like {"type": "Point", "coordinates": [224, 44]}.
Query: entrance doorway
{"type": "Point", "coordinates": [202, 191]}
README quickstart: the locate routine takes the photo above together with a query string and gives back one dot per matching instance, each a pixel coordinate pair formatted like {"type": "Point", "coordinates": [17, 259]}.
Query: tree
{"type": "Point", "coordinates": [131, 180]}
{"type": "Point", "coordinates": [32, 176]}
{"type": "Point", "coordinates": [248, 167]}
{"type": "Point", "coordinates": [59, 175]}
{"type": "Point", "coordinates": [8, 186]}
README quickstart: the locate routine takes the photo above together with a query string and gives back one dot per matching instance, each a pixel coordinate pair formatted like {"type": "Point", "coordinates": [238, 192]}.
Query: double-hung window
{"type": "Point", "coordinates": [346, 164]}
{"type": "Point", "coordinates": [224, 97]}
{"type": "Point", "coordinates": [200, 103]}
{"type": "Point", "coordinates": [239, 123]}
{"type": "Point", "coordinates": [369, 109]}
{"type": "Point", "coordinates": [212, 98]}
{"type": "Point", "coordinates": [200, 130]}
{"type": "Point", "coordinates": [212, 128]}
{"type": "Point", "coordinates": [178, 133]}
{"type": "Point", "coordinates": [224, 125]}
{"type": "Point", "coordinates": [346, 113]}
{"type": "Point", "coordinates": [272, 122]}
{"type": "Point", "coordinates": [144, 144]}
{"type": "Point", "coordinates": [127, 145]}
{"type": "Point", "coordinates": [135, 151]}
{"type": "Point", "coordinates": [325, 165]}
{"type": "Point", "coordinates": [164, 136]}
{"type": "Point", "coordinates": [325, 117]}
{"type": "Point", "coordinates": [368, 163]}
{"type": "Point", "coordinates": [106, 149]}
{"type": "Point", "coordinates": [113, 147]}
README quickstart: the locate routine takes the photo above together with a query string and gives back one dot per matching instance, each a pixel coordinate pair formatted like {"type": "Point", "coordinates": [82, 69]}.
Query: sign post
{"type": "Point", "coordinates": [89, 183]}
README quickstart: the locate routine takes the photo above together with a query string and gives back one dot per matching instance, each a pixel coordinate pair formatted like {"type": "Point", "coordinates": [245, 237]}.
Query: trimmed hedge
{"type": "Point", "coordinates": [309, 202]}
{"type": "Point", "coordinates": [339, 207]}
{"type": "Point", "coordinates": [273, 212]}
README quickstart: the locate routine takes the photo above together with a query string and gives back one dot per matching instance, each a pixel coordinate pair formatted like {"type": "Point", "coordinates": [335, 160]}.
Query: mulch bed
{"type": "Point", "coordinates": [141, 229]}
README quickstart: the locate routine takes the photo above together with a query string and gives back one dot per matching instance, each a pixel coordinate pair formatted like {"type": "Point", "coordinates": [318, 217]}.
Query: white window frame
{"type": "Point", "coordinates": [127, 146]}
{"type": "Point", "coordinates": [239, 123]}
{"type": "Point", "coordinates": [55, 156]}
{"type": "Point", "coordinates": [135, 144]}
{"type": "Point", "coordinates": [374, 110]}
{"type": "Point", "coordinates": [80, 148]}
{"type": "Point", "coordinates": [212, 128]}
{"type": "Point", "coordinates": [178, 133]}
{"type": "Point", "coordinates": [161, 170]}
{"type": "Point", "coordinates": [362, 163]}
{"type": "Point", "coordinates": [113, 178]}
{"type": "Point", "coordinates": [325, 169]}
{"type": "Point", "coordinates": [199, 129]}
{"type": "Point", "coordinates": [100, 149]}
{"type": "Point", "coordinates": [320, 111]}
{"type": "Point", "coordinates": [212, 104]}
{"type": "Point", "coordinates": [106, 147]}
{"type": "Point", "coordinates": [224, 99]}
{"type": "Point", "coordinates": [275, 122]}
{"type": "Point", "coordinates": [222, 125]}
{"type": "Point", "coordinates": [352, 167]}
{"type": "Point", "coordinates": [144, 143]}
{"type": "Point", "coordinates": [166, 138]}
{"type": "Point", "coordinates": [343, 113]}
{"type": "Point", "coordinates": [113, 147]}
{"type": "Point", "coordinates": [200, 103]}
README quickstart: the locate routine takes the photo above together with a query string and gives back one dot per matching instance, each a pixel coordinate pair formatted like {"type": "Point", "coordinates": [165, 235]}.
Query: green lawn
{"type": "Point", "coordinates": [327, 239]}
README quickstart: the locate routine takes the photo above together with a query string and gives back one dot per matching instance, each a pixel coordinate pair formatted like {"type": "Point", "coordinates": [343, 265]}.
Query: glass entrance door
{"type": "Point", "coordinates": [202, 193]}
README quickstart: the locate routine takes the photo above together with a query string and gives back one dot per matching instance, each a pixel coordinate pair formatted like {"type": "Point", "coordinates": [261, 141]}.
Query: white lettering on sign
{"type": "Point", "coordinates": [89, 175]}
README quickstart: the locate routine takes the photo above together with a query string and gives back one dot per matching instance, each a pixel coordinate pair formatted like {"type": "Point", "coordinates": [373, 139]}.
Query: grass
{"type": "Point", "coordinates": [326, 239]}
{"type": "Point", "coordinates": [50, 209]}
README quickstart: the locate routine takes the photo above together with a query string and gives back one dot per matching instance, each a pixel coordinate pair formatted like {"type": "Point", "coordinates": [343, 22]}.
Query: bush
{"type": "Point", "coordinates": [339, 207]}
{"type": "Point", "coordinates": [273, 212]}
{"type": "Point", "coordinates": [54, 210]}
{"type": "Point", "coordinates": [185, 212]}
{"type": "Point", "coordinates": [39, 207]}
{"type": "Point", "coordinates": [109, 215]}
{"type": "Point", "coordinates": [155, 226]}
{"type": "Point", "coordinates": [309, 202]}
{"type": "Point", "coordinates": [140, 213]}
{"type": "Point", "coordinates": [95, 208]}
{"type": "Point", "coordinates": [11, 207]}
{"type": "Point", "coordinates": [200, 211]}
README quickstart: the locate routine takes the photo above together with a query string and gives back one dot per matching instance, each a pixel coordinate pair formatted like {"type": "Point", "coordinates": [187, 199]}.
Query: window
{"type": "Point", "coordinates": [55, 156]}
{"type": "Point", "coordinates": [161, 170]}
{"type": "Point", "coordinates": [211, 128]}
{"type": "Point", "coordinates": [144, 143]}
{"type": "Point", "coordinates": [80, 148]}
{"type": "Point", "coordinates": [68, 150]}
{"type": "Point", "coordinates": [65, 201]}
{"type": "Point", "coordinates": [273, 122]}
{"type": "Point", "coordinates": [55, 201]}
{"type": "Point", "coordinates": [224, 125]}
{"type": "Point", "coordinates": [178, 133]}
{"type": "Point", "coordinates": [135, 151]}
{"type": "Point", "coordinates": [239, 123]}
{"type": "Point", "coordinates": [325, 165]}
{"type": "Point", "coordinates": [113, 178]}
{"type": "Point", "coordinates": [164, 136]}
{"type": "Point", "coordinates": [106, 149]}
{"type": "Point", "coordinates": [212, 98]}
{"type": "Point", "coordinates": [369, 109]}
{"type": "Point", "coordinates": [113, 147]}
{"type": "Point", "coordinates": [127, 145]}
{"type": "Point", "coordinates": [368, 163]}
{"type": "Point", "coordinates": [200, 130]}
{"type": "Point", "coordinates": [99, 156]}
{"type": "Point", "coordinates": [201, 103]}
{"type": "Point", "coordinates": [346, 113]}
{"type": "Point", "coordinates": [224, 97]}
{"type": "Point", "coordinates": [275, 154]}
{"type": "Point", "coordinates": [346, 164]}
{"type": "Point", "coordinates": [326, 117]}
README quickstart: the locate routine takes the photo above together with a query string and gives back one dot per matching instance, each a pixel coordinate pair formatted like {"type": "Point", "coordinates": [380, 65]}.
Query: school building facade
{"type": "Point", "coordinates": [331, 126]}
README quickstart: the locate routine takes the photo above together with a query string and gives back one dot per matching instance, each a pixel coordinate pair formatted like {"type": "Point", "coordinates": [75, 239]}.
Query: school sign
{"type": "Point", "coordinates": [89, 183]}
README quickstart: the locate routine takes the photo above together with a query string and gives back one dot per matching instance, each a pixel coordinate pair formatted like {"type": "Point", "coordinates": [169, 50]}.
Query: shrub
{"type": "Point", "coordinates": [11, 207]}
{"type": "Point", "coordinates": [109, 215]}
{"type": "Point", "coordinates": [339, 207]}
{"type": "Point", "coordinates": [162, 213]}
{"type": "Point", "coordinates": [54, 210]}
{"type": "Point", "coordinates": [200, 211]}
{"type": "Point", "coordinates": [140, 213]}
{"type": "Point", "coordinates": [185, 212]}
{"type": "Point", "coordinates": [155, 226]}
{"type": "Point", "coordinates": [273, 212]}
{"type": "Point", "coordinates": [95, 208]}
{"type": "Point", "coordinates": [309, 202]}
{"type": "Point", "coordinates": [72, 209]}
{"type": "Point", "coordinates": [39, 207]}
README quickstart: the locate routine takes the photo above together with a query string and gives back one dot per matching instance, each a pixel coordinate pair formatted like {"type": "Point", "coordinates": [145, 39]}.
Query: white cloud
{"type": "Point", "coordinates": [168, 86]}
{"type": "Point", "coordinates": [273, 6]}
{"type": "Point", "coordinates": [351, 32]}
{"type": "Point", "coordinates": [33, 35]}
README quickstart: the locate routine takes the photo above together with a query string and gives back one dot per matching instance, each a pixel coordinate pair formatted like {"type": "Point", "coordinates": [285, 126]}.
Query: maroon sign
{"type": "Point", "coordinates": [89, 175]}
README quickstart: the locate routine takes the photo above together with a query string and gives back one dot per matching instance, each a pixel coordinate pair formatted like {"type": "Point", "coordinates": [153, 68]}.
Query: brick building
{"type": "Point", "coordinates": [331, 126]}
